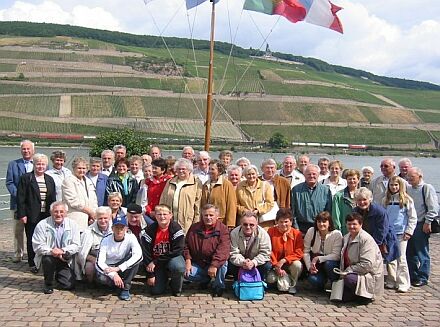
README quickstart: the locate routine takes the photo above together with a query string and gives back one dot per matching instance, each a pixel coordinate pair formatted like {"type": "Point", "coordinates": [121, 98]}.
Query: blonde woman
{"type": "Point", "coordinates": [402, 215]}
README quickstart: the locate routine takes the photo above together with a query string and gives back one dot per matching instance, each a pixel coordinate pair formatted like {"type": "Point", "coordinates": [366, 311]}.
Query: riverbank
{"type": "Point", "coordinates": [23, 303]}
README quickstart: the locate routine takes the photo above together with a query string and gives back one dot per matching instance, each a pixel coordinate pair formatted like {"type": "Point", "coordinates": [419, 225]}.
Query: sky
{"type": "Point", "coordinates": [396, 38]}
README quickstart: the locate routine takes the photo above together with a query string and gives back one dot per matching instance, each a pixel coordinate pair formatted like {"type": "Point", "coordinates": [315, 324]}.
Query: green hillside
{"type": "Point", "coordinates": [60, 80]}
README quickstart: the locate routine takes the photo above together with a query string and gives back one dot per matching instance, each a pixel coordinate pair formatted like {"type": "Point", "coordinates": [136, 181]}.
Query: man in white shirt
{"type": "Point", "coordinates": [108, 161]}
{"type": "Point", "coordinates": [118, 258]}
{"type": "Point", "coordinates": [379, 185]}
{"type": "Point", "coordinates": [289, 171]}
{"type": "Point", "coordinates": [202, 171]}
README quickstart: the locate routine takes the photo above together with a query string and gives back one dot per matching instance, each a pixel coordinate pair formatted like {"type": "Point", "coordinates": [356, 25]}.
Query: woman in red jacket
{"type": "Point", "coordinates": [287, 252]}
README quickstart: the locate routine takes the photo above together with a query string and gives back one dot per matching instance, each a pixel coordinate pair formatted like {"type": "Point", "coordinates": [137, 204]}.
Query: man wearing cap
{"type": "Point", "coordinates": [90, 242]}
{"type": "Point", "coordinates": [136, 222]}
{"type": "Point", "coordinates": [118, 259]}
{"type": "Point", "coordinates": [55, 242]}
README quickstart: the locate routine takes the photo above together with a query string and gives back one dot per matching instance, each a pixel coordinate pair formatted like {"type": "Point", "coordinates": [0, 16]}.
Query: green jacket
{"type": "Point", "coordinates": [342, 206]}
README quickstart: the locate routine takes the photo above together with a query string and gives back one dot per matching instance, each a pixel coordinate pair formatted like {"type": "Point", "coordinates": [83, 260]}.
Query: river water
{"type": "Point", "coordinates": [430, 166]}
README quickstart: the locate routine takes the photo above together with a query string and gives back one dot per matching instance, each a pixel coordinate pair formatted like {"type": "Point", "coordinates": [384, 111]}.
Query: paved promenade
{"type": "Point", "coordinates": [22, 303]}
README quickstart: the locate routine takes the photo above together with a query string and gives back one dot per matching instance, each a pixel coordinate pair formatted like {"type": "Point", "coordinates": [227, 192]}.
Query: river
{"type": "Point", "coordinates": [429, 166]}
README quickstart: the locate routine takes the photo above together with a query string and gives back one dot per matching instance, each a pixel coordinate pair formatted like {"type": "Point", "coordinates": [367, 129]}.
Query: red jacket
{"type": "Point", "coordinates": [154, 191]}
{"type": "Point", "coordinates": [291, 250]}
{"type": "Point", "coordinates": [207, 249]}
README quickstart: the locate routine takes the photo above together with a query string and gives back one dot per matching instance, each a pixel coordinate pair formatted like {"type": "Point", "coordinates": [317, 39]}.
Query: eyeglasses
{"type": "Point", "coordinates": [249, 225]}
{"type": "Point", "coordinates": [384, 166]}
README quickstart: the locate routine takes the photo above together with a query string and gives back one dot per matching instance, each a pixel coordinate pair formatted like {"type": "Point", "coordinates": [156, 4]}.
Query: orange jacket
{"type": "Point", "coordinates": [290, 250]}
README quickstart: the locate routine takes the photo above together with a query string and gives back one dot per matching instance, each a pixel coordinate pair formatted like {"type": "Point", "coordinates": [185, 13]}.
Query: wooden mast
{"type": "Point", "coordinates": [208, 119]}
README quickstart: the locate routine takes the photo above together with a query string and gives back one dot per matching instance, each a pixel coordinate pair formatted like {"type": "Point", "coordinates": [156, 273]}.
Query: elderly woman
{"type": "Point", "coordinates": [253, 194]}
{"type": "Point", "coordinates": [220, 192]}
{"type": "Point", "coordinates": [123, 183]}
{"type": "Point", "coordinates": [115, 203]}
{"type": "Point", "coordinates": [58, 171]}
{"type": "Point", "coordinates": [343, 201]}
{"type": "Point", "coordinates": [234, 175]}
{"type": "Point", "coordinates": [90, 242]}
{"type": "Point", "coordinates": [377, 224]}
{"type": "Point", "coordinates": [322, 250]}
{"type": "Point", "coordinates": [335, 182]}
{"type": "Point", "coordinates": [225, 157]}
{"type": "Point", "coordinates": [35, 193]}
{"type": "Point", "coordinates": [79, 194]}
{"type": "Point", "coordinates": [361, 263]}
{"type": "Point", "coordinates": [136, 163]}
{"type": "Point", "coordinates": [243, 162]}
{"type": "Point", "coordinates": [287, 252]}
{"type": "Point", "coordinates": [367, 176]}
{"type": "Point", "coordinates": [182, 194]}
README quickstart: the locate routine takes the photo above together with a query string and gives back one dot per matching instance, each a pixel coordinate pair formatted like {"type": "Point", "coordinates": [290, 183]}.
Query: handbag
{"type": "Point", "coordinates": [249, 286]}
{"type": "Point", "coordinates": [337, 290]}
{"type": "Point", "coordinates": [435, 227]}
{"type": "Point", "coordinates": [271, 214]}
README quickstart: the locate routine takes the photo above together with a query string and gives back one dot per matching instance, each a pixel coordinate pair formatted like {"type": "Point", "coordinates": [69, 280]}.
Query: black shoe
{"type": "Point", "coordinates": [419, 283]}
{"type": "Point", "coordinates": [177, 294]}
{"type": "Point", "coordinates": [33, 270]}
{"type": "Point", "coordinates": [217, 292]}
{"type": "Point", "coordinates": [48, 290]}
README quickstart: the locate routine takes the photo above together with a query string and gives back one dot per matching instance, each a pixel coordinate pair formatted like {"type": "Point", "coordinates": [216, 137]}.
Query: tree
{"type": "Point", "coordinates": [134, 141]}
{"type": "Point", "coordinates": [278, 141]}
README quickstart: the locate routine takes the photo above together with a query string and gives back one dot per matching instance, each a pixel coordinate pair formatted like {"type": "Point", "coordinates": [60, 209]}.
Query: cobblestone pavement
{"type": "Point", "coordinates": [22, 303]}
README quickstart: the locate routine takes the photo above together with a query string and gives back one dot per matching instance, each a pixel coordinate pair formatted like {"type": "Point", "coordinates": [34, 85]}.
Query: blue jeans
{"type": "Point", "coordinates": [200, 275]}
{"type": "Point", "coordinates": [324, 273]}
{"type": "Point", "coordinates": [417, 254]}
{"type": "Point", "coordinates": [175, 268]}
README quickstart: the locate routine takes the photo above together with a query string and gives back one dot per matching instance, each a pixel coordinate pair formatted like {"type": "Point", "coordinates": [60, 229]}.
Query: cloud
{"type": "Point", "coordinates": [50, 12]}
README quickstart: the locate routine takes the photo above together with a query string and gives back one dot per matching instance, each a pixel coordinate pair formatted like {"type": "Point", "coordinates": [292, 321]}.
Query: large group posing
{"type": "Point", "coordinates": [200, 219]}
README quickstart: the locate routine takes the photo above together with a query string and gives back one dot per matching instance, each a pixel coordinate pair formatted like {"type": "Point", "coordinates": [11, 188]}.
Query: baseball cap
{"type": "Point", "coordinates": [134, 208]}
{"type": "Point", "coordinates": [120, 220]}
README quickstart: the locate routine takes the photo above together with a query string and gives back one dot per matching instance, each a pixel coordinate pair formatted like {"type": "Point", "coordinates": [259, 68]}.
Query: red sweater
{"type": "Point", "coordinates": [290, 250]}
{"type": "Point", "coordinates": [154, 191]}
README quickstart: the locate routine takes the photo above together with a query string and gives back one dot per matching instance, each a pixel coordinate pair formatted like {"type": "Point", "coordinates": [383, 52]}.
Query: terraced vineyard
{"type": "Point", "coordinates": [253, 96]}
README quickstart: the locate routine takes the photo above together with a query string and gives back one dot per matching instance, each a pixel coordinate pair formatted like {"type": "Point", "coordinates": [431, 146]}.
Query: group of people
{"type": "Point", "coordinates": [198, 219]}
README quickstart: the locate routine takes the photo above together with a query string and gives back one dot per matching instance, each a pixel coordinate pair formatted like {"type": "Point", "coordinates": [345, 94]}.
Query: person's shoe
{"type": "Point", "coordinates": [419, 283]}
{"type": "Point", "coordinates": [47, 289]}
{"type": "Point", "coordinates": [177, 294]}
{"type": "Point", "coordinates": [17, 259]}
{"type": "Point", "coordinates": [402, 290]}
{"type": "Point", "coordinates": [217, 292]}
{"type": "Point", "coordinates": [292, 290]}
{"type": "Point", "coordinates": [124, 295]}
{"type": "Point", "coordinates": [33, 270]}
{"type": "Point", "coordinates": [390, 286]}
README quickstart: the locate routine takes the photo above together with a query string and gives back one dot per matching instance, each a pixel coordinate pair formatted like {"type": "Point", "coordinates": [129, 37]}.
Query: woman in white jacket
{"type": "Point", "coordinates": [402, 214]}
{"type": "Point", "coordinates": [79, 194]}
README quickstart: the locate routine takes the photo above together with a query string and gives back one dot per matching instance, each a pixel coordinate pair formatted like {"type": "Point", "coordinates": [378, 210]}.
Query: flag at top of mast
{"type": "Point", "coordinates": [317, 12]}
{"type": "Point", "coordinates": [194, 3]}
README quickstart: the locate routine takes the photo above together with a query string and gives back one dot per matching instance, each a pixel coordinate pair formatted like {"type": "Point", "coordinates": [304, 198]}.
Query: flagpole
{"type": "Point", "coordinates": [208, 120]}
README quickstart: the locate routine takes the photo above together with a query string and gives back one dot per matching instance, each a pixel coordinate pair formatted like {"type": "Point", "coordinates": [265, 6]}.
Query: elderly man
{"type": "Point", "coordinates": [303, 161]}
{"type": "Point", "coordinates": [55, 241]}
{"type": "Point", "coordinates": [120, 151]}
{"type": "Point", "coordinates": [279, 185]}
{"type": "Point", "coordinates": [207, 247]}
{"type": "Point", "coordinates": [155, 152]}
{"type": "Point", "coordinates": [98, 179]}
{"type": "Point", "coordinates": [404, 165]}
{"type": "Point", "coordinates": [427, 208]}
{"type": "Point", "coordinates": [289, 171]}
{"type": "Point", "coordinates": [309, 199]}
{"type": "Point", "coordinates": [108, 161]}
{"type": "Point", "coordinates": [118, 258]}
{"type": "Point", "coordinates": [188, 153]}
{"type": "Point", "coordinates": [163, 243]}
{"type": "Point", "coordinates": [202, 170]}
{"type": "Point", "coordinates": [16, 168]}
{"type": "Point", "coordinates": [90, 242]}
{"type": "Point", "coordinates": [323, 164]}
{"type": "Point", "coordinates": [136, 221]}
{"type": "Point", "coordinates": [58, 171]}
{"type": "Point", "coordinates": [379, 185]}
{"type": "Point", "coordinates": [250, 246]}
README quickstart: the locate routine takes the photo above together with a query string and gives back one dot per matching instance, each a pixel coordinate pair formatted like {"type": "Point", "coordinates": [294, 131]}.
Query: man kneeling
{"type": "Point", "coordinates": [207, 250]}
{"type": "Point", "coordinates": [163, 243]}
{"type": "Point", "coordinates": [55, 242]}
{"type": "Point", "coordinates": [118, 259]}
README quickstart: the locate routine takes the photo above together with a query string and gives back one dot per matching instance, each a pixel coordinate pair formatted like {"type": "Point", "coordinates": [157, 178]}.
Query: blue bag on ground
{"type": "Point", "coordinates": [249, 286]}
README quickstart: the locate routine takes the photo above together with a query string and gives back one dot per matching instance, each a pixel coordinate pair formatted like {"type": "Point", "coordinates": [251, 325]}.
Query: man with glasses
{"type": "Point", "coordinates": [379, 185]}
{"type": "Point", "coordinates": [250, 246]}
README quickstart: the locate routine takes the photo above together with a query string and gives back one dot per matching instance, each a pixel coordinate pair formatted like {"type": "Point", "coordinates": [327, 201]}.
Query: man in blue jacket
{"type": "Point", "coordinates": [16, 168]}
